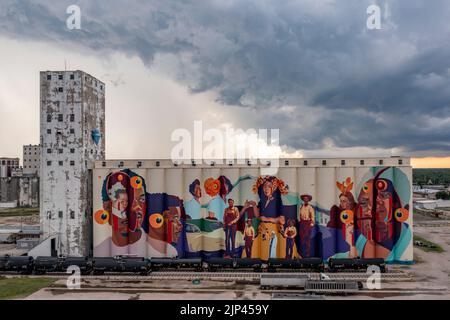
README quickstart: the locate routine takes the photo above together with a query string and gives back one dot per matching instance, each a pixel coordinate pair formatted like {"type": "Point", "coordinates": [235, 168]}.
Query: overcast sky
{"type": "Point", "coordinates": [310, 68]}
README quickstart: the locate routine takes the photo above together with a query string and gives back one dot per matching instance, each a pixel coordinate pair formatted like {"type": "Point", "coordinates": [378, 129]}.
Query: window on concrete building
{"type": "Point", "coordinates": [72, 131]}
{"type": "Point", "coordinates": [49, 118]}
{"type": "Point", "coordinates": [72, 76]}
{"type": "Point", "coordinates": [61, 163]}
{"type": "Point", "coordinates": [60, 117]}
{"type": "Point", "coordinates": [49, 151]}
{"type": "Point", "coordinates": [342, 162]}
{"type": "Point", "coordinates": [72, 150]}
{"type": "Point", "coordinates": [361, 162]}
{"type": "Point", "coordinates": [49, 131]}
{"type": "Point", "coordinates": [72, 163]}
{"type": "Point", "coordinates": [49, 77]}
{"type": "Point", "coordinates": [381, 162]}
{"type": "Point", "coordinates": [60, 89]}
{"type": "Point", "coordinates": [72, 214]}
{"type": "Point", "coordinates": [60, 77]}
{"type": "Point", "coordinates": [305, 162]}
{"type": "Point", "coordinates": [72, 118]}
{"type": "Point", "coordinates": [49, 163]}
{"type": "Point", "coordinates": [400, 161]}
{"type": "Point", "coordinates": [324, 162]}
{"type": "Point", "coordinates": [60, 214]}
{"type": "Point", "coordinates": [60, 151]}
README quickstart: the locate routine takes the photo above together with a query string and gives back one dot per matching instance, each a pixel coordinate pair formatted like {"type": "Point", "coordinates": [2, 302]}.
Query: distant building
{"type": "Point", "coordinates": [425, 193]}
{"type": "Point", "coordinates": [7, 165]}
{"type": "Point", "coordinates": [72, 131]}
{"type": "Point", "coordinates": [19, 191]}
{"type": "Point", "coordinates": [31, 159]}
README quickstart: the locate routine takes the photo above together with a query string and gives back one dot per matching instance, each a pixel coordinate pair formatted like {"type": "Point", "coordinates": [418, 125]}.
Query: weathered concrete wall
{"type": "Point", "coordinates": [29, 192]}
{"type": "Point", "coordinates": [22, 190]}
{"type": "Point", "coordinates": [9, 189]}
{"type": "Point", "coordinates": [72, 110]}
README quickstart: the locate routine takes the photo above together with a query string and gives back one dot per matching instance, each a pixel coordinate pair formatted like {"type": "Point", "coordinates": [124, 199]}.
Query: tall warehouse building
{"type": "Point", "coordinates": [72, 134]}
{"type": "Point", "coordinates": [31, 160]}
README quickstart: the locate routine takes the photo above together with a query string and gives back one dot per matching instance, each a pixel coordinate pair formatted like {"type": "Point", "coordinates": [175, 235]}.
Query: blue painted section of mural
{"type": "Point", "coordinates": [369, 222]}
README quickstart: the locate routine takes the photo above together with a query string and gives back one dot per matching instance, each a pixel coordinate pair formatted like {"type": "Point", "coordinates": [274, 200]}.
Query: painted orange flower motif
{"type": "Point", "coordinates": [212, 187]}
{"type": "Point", "coordinates": [276, 184]}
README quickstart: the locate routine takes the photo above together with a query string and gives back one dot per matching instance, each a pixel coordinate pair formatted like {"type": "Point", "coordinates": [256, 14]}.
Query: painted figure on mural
{"type": "Point", "coordinates": [249, 235]}
{"type": "Point", "coordinates": [193, 207]}
{"type": "Point", "coordinates": [290, 233]}
{"type": "Point", "coordinates": [306, 225]}
{"type": "Point", "coordinates": [124, 206]}
{"type": "Point", "coordinates": [218, 189]}
{"type": "Point", "coordinates": [230, 218]}
{"type": "Point", "coordinates": [342, 216]}
{"type": "Point", "coordinates": [380, 201]}
{"type": "Point", "coordinates": [269, 211]}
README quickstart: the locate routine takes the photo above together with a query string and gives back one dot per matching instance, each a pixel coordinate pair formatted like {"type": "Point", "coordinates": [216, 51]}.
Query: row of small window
{"type": "Point", "coordinates": [61, 163]}
{"type": "Point", "coordinates": [72, 77]}
{"type": "Point", "coordinates": [61, 118]}
{"type": "Point", "coordinates": [8, 162]}
{"type": "Point", "coordinates": [60, 77]}
{"type": "Point", "coordinates": [249, 163]}
{"type": "Point", "coordinates": [30, 153]}
{"type": "Point", "coordinates": [25, 160]}
{"type": "Point", "coordinates": [60, 214]}
{"type": "Point", "coordinates": [49, 131]}
{"type": "Point", "coordinates": [60, 151]}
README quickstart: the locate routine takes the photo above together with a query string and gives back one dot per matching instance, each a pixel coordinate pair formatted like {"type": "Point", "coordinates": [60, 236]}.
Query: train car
{"type": "Point", "coordinates": [106, 264]}
{"type": "Point", "coordinates": [43, 265]}
{"type": "Point", "coordinates": [3, 261]}
{"type": "Point", "coordinates": [136, 265]}
{"type": "Point", "coordinates": [255, 264]}
{"type": "Point", "coordinates": [22, 264]}
{"type": "Point", "coordinates": [157, 264]}
{"type": "Point", "coordinates": [312, 263]}
{"type": "Point", "coordinates": [216, 264]}
{"type": "Point", "coordinates": [191, 263]}
{"type": "Point", "coordinates": [355, 264]}
{"type": "Point", "coordinates": [84, 263]}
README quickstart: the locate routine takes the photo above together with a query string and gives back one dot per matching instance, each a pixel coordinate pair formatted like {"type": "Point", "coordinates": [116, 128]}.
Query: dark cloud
{"type": "Point", "coordinates": [341, 82]}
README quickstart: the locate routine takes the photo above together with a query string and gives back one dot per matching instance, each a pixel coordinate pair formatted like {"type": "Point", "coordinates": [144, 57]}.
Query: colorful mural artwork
{"type": "Point", "coordinates": [253, 216]}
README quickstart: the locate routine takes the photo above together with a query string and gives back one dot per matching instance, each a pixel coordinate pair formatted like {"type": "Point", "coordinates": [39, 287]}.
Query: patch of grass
{"type": "Point", "coordinates": [11, 288]}
{"type": "Point", "coordinates": [428, 246]}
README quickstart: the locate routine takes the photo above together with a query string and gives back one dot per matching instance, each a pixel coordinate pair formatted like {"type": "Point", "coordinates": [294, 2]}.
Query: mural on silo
{"type": "Point", "coordinates": [244, 215]}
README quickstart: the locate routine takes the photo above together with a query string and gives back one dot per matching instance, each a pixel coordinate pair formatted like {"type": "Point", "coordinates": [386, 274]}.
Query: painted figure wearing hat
{"type": "Point", "coordinates": [307, 219]}
{"type": "Point", "coordinates": [270, 213]}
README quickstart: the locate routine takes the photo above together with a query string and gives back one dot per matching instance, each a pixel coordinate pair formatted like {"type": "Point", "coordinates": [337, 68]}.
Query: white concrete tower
{"type": "Point", "coordinates": [72, 135]}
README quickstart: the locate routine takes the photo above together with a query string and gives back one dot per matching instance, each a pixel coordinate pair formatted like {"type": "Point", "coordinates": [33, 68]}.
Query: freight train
{"type": "Point", "coordinates": [144, 266]}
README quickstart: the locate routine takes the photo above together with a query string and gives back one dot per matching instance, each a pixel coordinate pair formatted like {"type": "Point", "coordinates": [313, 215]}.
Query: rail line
{"type": "Point", "coordinates": [225, 276]}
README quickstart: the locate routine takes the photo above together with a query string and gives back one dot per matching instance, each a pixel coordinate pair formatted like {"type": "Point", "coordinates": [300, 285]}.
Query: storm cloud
{"type": "Point", "coordinates": [308, 67]}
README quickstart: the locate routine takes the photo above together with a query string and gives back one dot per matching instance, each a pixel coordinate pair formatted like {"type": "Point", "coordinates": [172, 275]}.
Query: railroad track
{"type": "Point", "coordinates": [225, 276]}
